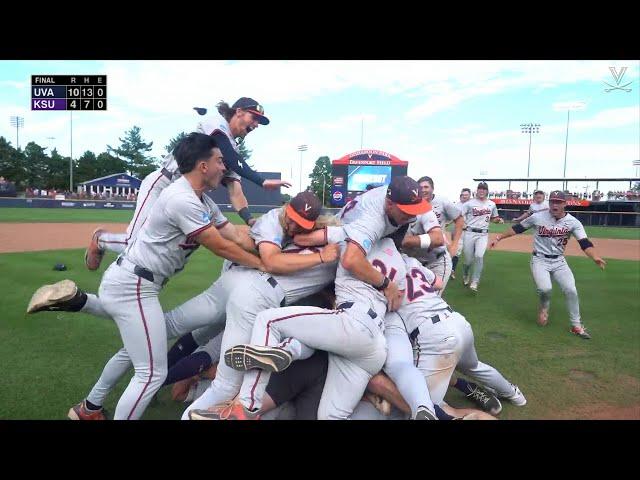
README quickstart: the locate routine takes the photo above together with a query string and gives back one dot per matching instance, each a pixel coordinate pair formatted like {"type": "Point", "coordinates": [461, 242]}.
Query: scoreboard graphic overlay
{"type": "Point", "coordinates": [68, 92]}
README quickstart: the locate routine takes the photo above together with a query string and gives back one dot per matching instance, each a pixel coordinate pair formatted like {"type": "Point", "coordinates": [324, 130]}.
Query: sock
{"type": "Point", "coordinates": [454, 262]}
{"type": "Point", "coordinates": [183, 347]}
{"type": "Point", "coordinates": [188, 367]}
{"type": "Point", "coordinates": [91, 406]}
{"type": "Point", "coordinates": [441, 414]}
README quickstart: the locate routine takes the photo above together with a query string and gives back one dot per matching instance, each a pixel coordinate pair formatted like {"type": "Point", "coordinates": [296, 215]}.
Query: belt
{"type": "Point", "coordinates": [434, 319]}
{"type": "Point", "coordinates": [346, 305]}
{"type": "Point", "coordinates": [476, 230]}
{"type": "Point", "coordinates": [141, 272]}
{"type": "Point", "coordinates": [166, 173]}
{"type": "Point", "coordinates": [536, 254]}
{"type": "Point", "coordinates": [274, 283]}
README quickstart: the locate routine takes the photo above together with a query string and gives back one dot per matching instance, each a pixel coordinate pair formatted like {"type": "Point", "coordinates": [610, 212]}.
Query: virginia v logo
{"type": "Point", "coordinates": [617, 76]}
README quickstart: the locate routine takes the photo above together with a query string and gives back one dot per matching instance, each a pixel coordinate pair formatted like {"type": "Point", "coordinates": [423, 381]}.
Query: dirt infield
{"type": "Point", "coordinates": [29, 237]}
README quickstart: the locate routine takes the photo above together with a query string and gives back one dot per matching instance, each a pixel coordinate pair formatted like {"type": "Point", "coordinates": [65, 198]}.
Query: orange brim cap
{"type": "Point", "coordinates": [415, 208]}
{"type": "Point", "coordinates": [299, 219]}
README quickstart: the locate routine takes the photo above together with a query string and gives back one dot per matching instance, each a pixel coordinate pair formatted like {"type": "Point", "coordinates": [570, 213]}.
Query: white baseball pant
{"type": "Point", "coordinates": [475, 246]}
{"type": "Point", "coordinates": [400, 367]}
{"type": "Point", "coordinates": [353, 337]}
{"type": "Point", "coordinates": [252, 295]}
{"type": "Point", "coordinates": [448, 344]}
{"type": "Point", "coordinates": [149, 191]}
{"type": "Point", "coordinates": [543, 271]}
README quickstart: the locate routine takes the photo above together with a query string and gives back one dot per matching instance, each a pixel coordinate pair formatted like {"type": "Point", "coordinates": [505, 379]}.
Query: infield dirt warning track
{"type": "Point", "coordinates": [32, 237]}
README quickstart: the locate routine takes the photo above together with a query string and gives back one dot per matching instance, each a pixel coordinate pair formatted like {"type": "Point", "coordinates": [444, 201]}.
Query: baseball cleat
{"type": "Point", "coordinates": [226, 411]}
{"type": "Point", "coordinates": [483, 399]}
{"type": "Point", "coordinates": [93, 255]}
{"type": "Point", "coordinates": [81, 412]}
{"type": "Point", "coordinates": [64, 295]}
{"type": "Point", "coordinates": [581, 332]}
{"type": "Point", "coordinates": [423, 413]}
{"type": "Point", "coordinates": [247, 357]}
{"type": "Point", "coordinates": [473, 287]}
{"type": "Point", "coordinates": [543, 316]}
{"type": "Point", "coordinates": [517, 398]}
{"type": "Point", "coordinates": [465, 280]}
{"type": "Point", "coordinates": [453, 275]}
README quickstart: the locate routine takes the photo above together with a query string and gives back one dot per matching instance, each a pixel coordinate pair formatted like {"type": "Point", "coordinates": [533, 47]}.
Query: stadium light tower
{"type": "Point", "coordinates": [17, 122]}
{"type": "Point", "coordinates": [568, 106]}
{"type": "Point", "coordinates": [301, 148]}
{"type": "Point", "coordinates": [529, 128]}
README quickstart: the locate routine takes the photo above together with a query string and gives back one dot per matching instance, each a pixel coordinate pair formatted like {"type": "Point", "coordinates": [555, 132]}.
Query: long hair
{"type": "Point", "coordinates": [225, 110]}
{"type": "Point", "coordinates": [321, 222]}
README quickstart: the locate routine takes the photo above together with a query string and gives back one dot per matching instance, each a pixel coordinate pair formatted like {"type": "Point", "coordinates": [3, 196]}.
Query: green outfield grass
{"type": "Point", "coordinates": [51, 360]}
{"type": "Point", "coordinates": [37, 215]}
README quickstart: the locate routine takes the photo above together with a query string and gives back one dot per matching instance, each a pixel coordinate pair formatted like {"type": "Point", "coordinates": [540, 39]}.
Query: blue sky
{"type": "Point", "coordinates": [452, 120]}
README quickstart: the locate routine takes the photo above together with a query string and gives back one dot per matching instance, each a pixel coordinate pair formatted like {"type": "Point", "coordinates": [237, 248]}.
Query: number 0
{"type": "Point", "coordinates": [99, 104]}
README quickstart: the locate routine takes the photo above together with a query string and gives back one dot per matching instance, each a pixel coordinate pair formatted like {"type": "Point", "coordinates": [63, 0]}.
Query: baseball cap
{"type": "Point", "coordinates": [405, 192]}
{"type": "Point", "coordinates": [483, 185]}
{"type": "Point", "coordinates": [557, 195]}
{"type": "Point", "coordinates": [537, 192]}
{"type": "Point", "coordinates": [250, 105]}
{"type": "Point", "coordinates": [304, 209]}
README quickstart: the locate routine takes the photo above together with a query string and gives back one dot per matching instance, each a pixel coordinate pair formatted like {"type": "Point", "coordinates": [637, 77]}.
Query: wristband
{"type": "Point", "coordinates": [425, 240]}
{"type": "Point", "coordinates": [385, 284]}
{"type": "Point", "coordinates": [245, 215]}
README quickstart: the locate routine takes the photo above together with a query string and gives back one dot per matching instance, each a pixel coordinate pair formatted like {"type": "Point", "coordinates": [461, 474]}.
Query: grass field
{"type": "Point", "coordinates": [51, 360]}
{"type": "Point", "coordinates": [38, 215]}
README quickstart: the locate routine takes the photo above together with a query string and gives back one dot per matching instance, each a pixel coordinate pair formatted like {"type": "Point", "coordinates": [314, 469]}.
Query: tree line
{"type": "Point", "coordinates": [34, 166]}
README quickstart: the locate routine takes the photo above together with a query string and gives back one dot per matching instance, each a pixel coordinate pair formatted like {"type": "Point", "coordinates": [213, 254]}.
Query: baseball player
{"type": "Point", "coordinates": [352, 334]}
{"type": "Point", "coordinates": [539, 204]}
{"type": "Point", "coordinates": [553, 229]}
{"type": "Point", "coordinates": [478, 213]}
{"type": "Point", "coordinates": [465, 195]}
{"type": "Point", "coordinates": [225, 126]}
{"type": "Point", "coordinates": [354, 337]}
{"type": "Point", "coordinates": [295, 273]}
{"type": "Point", "coordinates": [437, 258]}
{"type": "Point", "coordinates": [442, 338]}
{"type": "Point", "coordinates": [181, 219]}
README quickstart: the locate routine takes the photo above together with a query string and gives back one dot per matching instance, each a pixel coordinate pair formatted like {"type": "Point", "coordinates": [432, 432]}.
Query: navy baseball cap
{"type": "Point", "coordinates": [558, 196]}
{"type": "Point", "coordinates": [483, 186]}
{"type": "Point", "coordinates": [538, 191]}
{"type": "Point", "coordinates": [405, 192]}
{"type": "Point", "coordinates": [304, 209]}
{"type": "Point", "coordinates": [250, 105]}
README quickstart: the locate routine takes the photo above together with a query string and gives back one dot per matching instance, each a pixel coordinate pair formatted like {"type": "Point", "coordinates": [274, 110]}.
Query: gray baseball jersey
{"type": "Point", "coordinates": [364, 219]}
{"type": "Point", "coordinates": [538, 207]}
{"type": "Point", "coordinates": [302, 283]}
{"type": "Point", "coordinates": [424, 224]}
{"type": "Point", "coordinates": [216, 122]}
{"type": "Point", "coordinates": [445, 210]}
{"type": "Point", "coordinates": [385, 257]}
{"type": "Point", "coordinates": [420, 300]}
{"type": "Point", "coordinates": [478, 214]}
{"type": "Point", "coordinates": [551, 235]}
{"type": "Point", "coordinates": [166, 240]}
